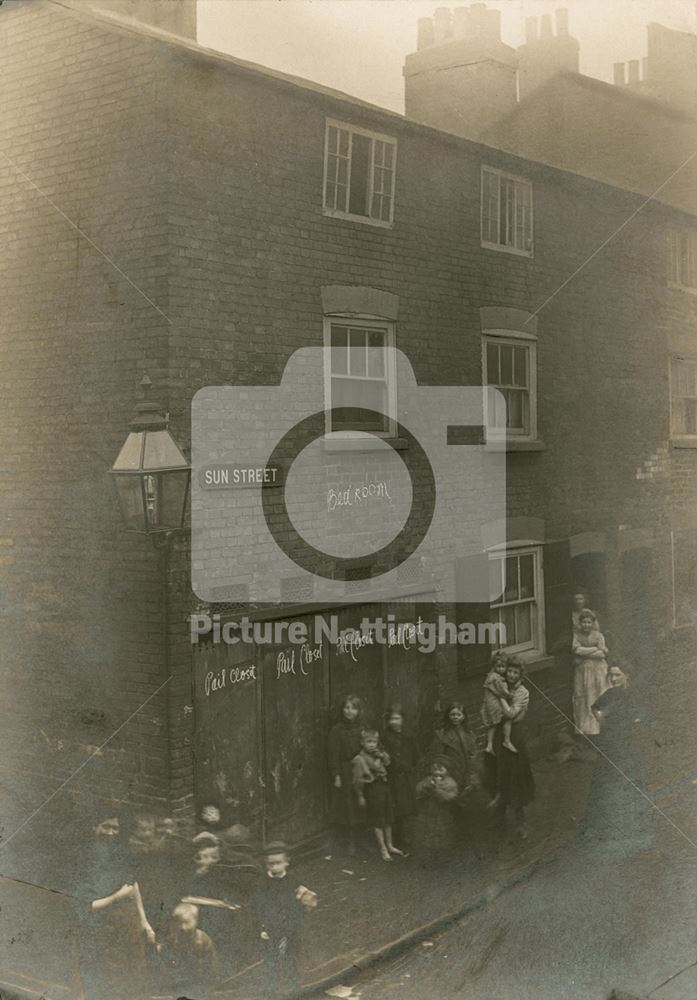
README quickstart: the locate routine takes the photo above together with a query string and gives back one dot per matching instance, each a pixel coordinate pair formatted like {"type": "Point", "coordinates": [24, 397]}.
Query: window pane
{"type": "Point", "coordinates": [506, 355]}
{"type": "Point", "coordinates": [343, 142]}
{"type": "Point", "coordinates": [507, 619]}
{"type": "Point", "coordinates": [376, 353]}
{"type": "Point", "coordinates": [511, 592]}
{"type": "Point", "coordinates": [492, 364]}
{"type": "Point", "coordinates": [515, 415]}
{"type": "Point", "coordinates": [527, 575]}
{"type": "Point", "coordinates": [339, 345]}
{"type": "Point", "coordinates": [520, 367]}
{"type": "Point", "coordinates": [358, 395]}
{"type": "Point", "coordinates": [357, 358]}
{"type": "Point", "coordinates": [495, 580]}
{"type": "Point", "coordinates": [360, 165]}
{"type": "Point", "coordinates": [523, 623]}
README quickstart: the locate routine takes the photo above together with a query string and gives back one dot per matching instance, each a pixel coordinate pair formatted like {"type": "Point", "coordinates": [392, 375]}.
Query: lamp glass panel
{"type": "Point", "coordinates": [173, 488]}
{"type": "Point", "coordinates": [130, 494]}
{"type": "Point", "coordinates": [162, 452]}
{"type": "Point", "coordinates": [129, 456]}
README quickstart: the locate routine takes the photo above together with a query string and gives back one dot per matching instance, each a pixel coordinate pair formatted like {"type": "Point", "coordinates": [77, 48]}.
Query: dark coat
{"type": "Point", "coordinates": [401, 773]}
{"type": "Point", "coordinates": [344, 744]}
{"type": "Point", "coordinates": [456, 745]}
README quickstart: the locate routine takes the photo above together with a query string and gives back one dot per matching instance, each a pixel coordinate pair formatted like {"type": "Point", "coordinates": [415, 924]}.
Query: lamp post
{"type": "Point", "coordinates": [151, 475]}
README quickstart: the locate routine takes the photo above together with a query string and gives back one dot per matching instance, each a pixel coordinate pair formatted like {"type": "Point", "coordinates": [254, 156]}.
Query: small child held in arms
{"type": "Point", "coordinates": [495, 690]}
{"type": "Point", "coordinates": [373, 793]}
{"type": "Point", "coordinates": [279, 905]}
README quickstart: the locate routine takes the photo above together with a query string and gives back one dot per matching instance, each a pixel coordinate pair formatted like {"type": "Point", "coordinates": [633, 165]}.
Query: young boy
{"type": "Point", "coordinates": [373, 793]}
{"type": "Point", "coordinates": [188, 957]}
{"type": "Point", "coordinates": [279, 905]}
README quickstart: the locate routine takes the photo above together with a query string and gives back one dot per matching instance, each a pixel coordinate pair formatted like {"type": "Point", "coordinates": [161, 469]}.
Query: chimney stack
{"type": "Point", "coordinates": [618, 74]}
{"type": "Point", "coordinates": [462, 78]}
{"type": "Point", "coordinates": [545, 53]}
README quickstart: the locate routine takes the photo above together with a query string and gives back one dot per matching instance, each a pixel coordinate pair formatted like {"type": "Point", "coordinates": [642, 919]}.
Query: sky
{"type": "Point", "coordinates": [358, 46]}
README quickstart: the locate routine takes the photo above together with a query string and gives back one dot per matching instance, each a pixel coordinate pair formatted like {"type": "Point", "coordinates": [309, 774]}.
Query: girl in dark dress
{"type": "Point", "coordinates": [401, 774]}
{"type": "Point", "coordinates": [508, 776]}
{"type": "Point", "coordinates": [344, 744]}
{"type": "Point", "coordinates": [455, 741]}
{"type": "Point", "coordinates": [435, 827]}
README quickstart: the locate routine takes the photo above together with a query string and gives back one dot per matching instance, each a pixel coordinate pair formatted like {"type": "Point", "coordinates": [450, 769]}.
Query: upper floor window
{"type": "Point", "coordinates": [360, 376]}
{"type": "Point", "coordinates": [682, 258]}
{"type": "Point", "coordinates": [506, 212]}
{"type": "Point", "coordinates": [518, 597]}
{"type": "Point", "coordinates": [510, 365]}
{"type": "Point", "coordinates": [683, 397]}
{"type": "Point", "coordinates": [359, 174]}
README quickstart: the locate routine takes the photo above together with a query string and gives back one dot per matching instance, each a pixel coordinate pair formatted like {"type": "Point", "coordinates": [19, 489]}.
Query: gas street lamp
{"type": "Point", "coordinates": [151, 475]}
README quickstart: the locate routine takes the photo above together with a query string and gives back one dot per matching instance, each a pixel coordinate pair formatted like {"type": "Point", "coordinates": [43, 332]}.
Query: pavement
{"type": "Point", "coordinates": [370, 910]}
{"type": "Point", "coordinates": [562, 896]}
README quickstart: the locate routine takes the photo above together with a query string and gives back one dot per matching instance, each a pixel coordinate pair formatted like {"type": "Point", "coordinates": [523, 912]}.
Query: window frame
{"type": "Point", "coordinates": [676, 232]}
{"type": "Point", "coordinates": [511, 338]}
{"type": "Point", "coordinates": [675, 435]}
{"type": "Point", "coordinates": [536, 648]}
{"type": "Point", "coordinates": [369, 323]}
{"type": "Point", "coordinates": [337, 213]}
{"type": "Point", "coordinates": [503, 247]}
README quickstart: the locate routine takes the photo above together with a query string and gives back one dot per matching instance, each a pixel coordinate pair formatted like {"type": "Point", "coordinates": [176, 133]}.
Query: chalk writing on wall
{"type": "Point", "coordinates": [353, 496]}
{"type": "Point", "coordinates": [217, 680]}
{"type": "Point", "coordinates": [295, 660]}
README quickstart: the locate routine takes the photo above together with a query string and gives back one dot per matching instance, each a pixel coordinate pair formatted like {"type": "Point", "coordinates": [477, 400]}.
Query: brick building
{"type": "Point", "coordinates": [170, 209]}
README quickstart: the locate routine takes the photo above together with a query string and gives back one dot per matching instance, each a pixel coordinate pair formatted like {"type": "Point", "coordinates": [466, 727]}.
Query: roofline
{"type": "Point", "coordinates": [621, 93]}
{"type": "Point", "coordinates": [314, 90]}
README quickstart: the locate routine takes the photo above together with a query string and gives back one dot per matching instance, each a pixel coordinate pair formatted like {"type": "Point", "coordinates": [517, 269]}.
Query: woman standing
{"type": "Point", "coordinates": [343, 745]}
{"type": "Point", "coordinates": [508, 775]}
{"type": "Point", "coordinates": [590, 672]}
{"type": "Point", "coordinates": [580, 603]}
{"type": "Point", "coordinates": [617, 798]}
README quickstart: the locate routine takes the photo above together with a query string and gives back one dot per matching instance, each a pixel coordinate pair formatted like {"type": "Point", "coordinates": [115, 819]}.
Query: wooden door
{"type": "Point", "coordinates": [294, 739]}
{"type": "Point", "coordinates": [226, 742]}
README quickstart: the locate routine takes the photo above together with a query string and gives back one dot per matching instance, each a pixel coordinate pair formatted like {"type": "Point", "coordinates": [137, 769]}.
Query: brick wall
{"type": "Point", "coordinates": [203, 183]}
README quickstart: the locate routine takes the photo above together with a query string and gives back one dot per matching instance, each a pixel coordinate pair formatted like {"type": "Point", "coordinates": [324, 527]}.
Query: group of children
{"type": "Point", "coordinates": [375, 775]}
{"type": "Point", "coordinates": [150, 924]}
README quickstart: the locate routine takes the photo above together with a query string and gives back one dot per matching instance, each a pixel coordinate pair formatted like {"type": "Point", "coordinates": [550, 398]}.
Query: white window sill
{"type": "Point", "coordinates": [332, 213]}
{"type": "Point", "coordinates": [363, 444]}
{"type": "Point", "coordinates": [686, 442]}
{"type": "Point", "coordinates": [512, 444]}
{"type": "Point", "coordinates": [502, 248]}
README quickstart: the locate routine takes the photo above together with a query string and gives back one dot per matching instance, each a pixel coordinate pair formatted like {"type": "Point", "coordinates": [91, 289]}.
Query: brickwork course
{"type": "Point", "coordinates": [161, 211]}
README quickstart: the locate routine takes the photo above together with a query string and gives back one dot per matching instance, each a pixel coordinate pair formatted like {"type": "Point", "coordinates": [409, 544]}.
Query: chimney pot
{"type": "Point", "coordinates": [633, 71]}
{"type": "Point", "coordinates": [545, 26]}
{"type": "Point", "coordinates": [442, 24]}
{"type": "Point", "coordinates": [530, 29]}
{"type": "Point", "coordinates": [424, 33]}
{"type": "Point", "coordinates": [561, 17]}
{"type": "Point", "coordinates": [618, 74]}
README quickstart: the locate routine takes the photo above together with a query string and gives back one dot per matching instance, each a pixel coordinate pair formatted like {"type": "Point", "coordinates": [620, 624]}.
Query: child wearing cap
{"type": "Point", "coordinates": [279, 905]}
